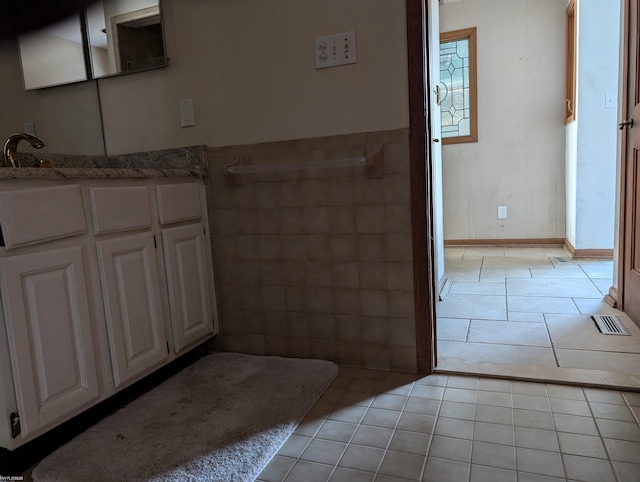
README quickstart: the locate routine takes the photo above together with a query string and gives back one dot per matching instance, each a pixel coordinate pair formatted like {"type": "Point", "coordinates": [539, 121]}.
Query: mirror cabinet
{"type": "Point", "coordinates": [111, 37]}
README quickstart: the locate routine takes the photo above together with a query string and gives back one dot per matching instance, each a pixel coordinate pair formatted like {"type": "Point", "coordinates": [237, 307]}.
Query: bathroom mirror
{"type": "Point", "coordinates": [53, 55]}
{"type": "Point", "coordinates": [122, 36]}
{"type": "Point", "coordinates": [125, 36]}
{"type": "Point", "coordinates": [67, 117]}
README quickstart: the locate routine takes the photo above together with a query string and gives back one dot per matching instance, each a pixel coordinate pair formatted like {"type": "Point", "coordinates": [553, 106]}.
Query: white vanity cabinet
{"type": "Point", "coordinates": [133, 312]}
{"type": "Point", "coordinates": [46, 310]}
{"type": "Point", "coordinates": [49, 333]}
{"type": "Point", "coordinates": [189, 284]}
{"type": "Point", "coordinates": [102, 282]}
{"type": "Point", "coordinates": [187, 256]}
{"type": "Point", "coordinates": [129, 279]}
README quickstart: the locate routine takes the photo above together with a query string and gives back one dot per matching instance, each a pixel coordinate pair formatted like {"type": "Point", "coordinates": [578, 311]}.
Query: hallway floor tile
{"type": "Point", "coordinates": [524, 311]}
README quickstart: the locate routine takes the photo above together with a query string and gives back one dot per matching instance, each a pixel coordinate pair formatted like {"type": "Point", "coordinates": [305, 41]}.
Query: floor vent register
{"type": "Point", "coordinates": [610, 325]}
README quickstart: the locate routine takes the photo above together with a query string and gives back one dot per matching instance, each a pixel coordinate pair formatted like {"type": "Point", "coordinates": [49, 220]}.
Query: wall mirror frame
{"type": "Point", "coordinates": [109, 38]}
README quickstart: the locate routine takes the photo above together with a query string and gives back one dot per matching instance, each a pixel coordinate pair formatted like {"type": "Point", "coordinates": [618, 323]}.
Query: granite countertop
{"type": "Point", "coordinates": [178, 162]}
{"type": "Point", "coordinates": [7, 173]}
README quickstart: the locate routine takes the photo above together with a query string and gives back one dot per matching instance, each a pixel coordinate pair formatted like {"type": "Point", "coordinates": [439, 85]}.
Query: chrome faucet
{"type": "Point", "coordinates": [11, 147]}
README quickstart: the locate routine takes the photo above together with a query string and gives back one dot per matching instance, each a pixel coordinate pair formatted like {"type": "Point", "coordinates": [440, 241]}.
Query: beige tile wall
{"type": "Point", "coordinates": [316, 263]}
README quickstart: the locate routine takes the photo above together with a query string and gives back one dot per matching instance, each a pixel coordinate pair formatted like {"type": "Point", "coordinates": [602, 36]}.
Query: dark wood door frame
{"type": "Point", "coordinates": [421, 186]}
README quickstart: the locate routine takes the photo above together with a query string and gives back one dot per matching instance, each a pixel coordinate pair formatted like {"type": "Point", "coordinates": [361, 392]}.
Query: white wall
{"type": "Point", "coordinates": [596, 125]}
{"type": "Point", "coordinates": [249, 68]}
{"type": "Point", "coordinates": [518, 160]}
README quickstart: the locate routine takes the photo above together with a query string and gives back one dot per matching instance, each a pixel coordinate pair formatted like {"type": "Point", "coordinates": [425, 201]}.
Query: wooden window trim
{"type": "Point", "coordinates": [570, 64]}
{"type": "Point", "coordinates": [469, 34]}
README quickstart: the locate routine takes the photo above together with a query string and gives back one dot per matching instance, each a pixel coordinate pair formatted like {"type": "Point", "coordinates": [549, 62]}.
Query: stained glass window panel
{"type": "Point", "coordinates": [457, 93]}
{"type": "Point", "coordinates": [454, 87]}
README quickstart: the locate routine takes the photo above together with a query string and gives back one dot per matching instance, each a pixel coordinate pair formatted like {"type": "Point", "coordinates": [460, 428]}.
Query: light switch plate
{"type": "Point", "coordinates": [336, 49]}
{"type": "Point", "coordinates": [186, 113]}
{"type": "Point", "coordinates": [611, 99]}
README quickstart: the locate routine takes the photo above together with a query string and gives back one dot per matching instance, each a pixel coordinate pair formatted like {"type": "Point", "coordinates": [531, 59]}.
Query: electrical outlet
{"type": "Point", "coordinates": [30, 127]}
{"type": "Point", "coordinates": [334, 50]}
{"type": "Point", "coordinates": [186, 113]}
{"type": "Point", "coordinates": [502, 212]}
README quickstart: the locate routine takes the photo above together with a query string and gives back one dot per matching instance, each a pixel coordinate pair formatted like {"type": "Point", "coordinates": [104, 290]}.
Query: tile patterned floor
{"type": "Point", "coordinates": [372, 425]}
{"type": "Point", "coordinates": [532, 307]}
{"type": "Point", "coordinates": [511, 312]}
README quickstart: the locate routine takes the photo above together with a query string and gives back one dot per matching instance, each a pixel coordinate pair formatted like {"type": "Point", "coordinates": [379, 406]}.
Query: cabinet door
{"type": "Point", "coordinates": [48, 323]}
{"type": "Point", "coordinates": [190, 283]}
{"type": "Point", "coordinates": [131, 292]}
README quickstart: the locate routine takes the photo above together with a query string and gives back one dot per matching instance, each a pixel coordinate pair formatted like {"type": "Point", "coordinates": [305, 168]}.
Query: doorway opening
{"type": "Point", "coordinates": [581, 282]}
{"type": "Point", "coordinates": [137, 39]}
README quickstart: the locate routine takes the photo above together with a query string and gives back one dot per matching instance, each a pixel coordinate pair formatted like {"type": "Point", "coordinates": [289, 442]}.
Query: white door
{"type": "Point", "coordinates": [133, 310]}
{"type": "Point", "coordinates": [44, 298]}
{"type": "Point", "coordinates": [188, 265]}
{"type": "Point", "coordinates": [434, 134]}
